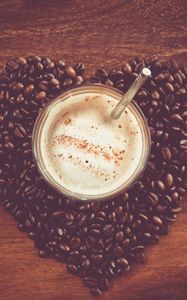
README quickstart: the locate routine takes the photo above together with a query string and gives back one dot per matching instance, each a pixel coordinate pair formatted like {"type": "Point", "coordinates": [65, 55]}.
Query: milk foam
{"type": "Point", "coordinates": [86, 151]}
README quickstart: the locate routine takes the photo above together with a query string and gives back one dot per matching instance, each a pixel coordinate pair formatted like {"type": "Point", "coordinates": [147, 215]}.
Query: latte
{"type": "Point", "coordinates": [84, 150]}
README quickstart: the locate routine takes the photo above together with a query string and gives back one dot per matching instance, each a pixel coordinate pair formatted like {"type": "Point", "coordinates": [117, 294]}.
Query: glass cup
{"type": "Point", "coordinates": [86, 90]}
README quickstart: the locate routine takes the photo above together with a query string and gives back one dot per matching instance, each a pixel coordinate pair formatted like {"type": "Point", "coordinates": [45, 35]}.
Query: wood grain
{"type": "Point", "coordinates": [101, 34]}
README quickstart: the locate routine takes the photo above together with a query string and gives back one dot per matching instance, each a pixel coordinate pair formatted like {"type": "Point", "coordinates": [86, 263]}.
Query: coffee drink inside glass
{"type": "Point", "coordinates": [85, 154]}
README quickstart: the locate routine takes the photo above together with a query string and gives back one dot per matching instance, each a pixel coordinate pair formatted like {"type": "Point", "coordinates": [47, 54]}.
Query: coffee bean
{"type": "Point", "coordinates": [31, 218]}
{"type": "Point", "coordinates": [29, 90]}
{"type": "Point", "coordinates": [75, 243]}
{"type": "Point", "coordinates": [21, 61]}
{"type": "Point", "coordinates": [43, 254]}
{"type": "Point", "coordinates": [170, 78]}
{"type": "Point", "coordinates": [96, 240]}
{"type": "Point", "coordinates": [143, 218]}
{"type": "Point", "coordinates": [71, 73]}
{"type": "Point", "coordinates": [157, 221]}
{"type": "Point", "coordinates": [181, 190]}
{"type": "Point", "coordinates": [102, 75]}
{"type": "Point", "coordinates": [12, 66]}
{"type": "Point", "coordinates": [39, 67]}
{"type": "Point", "coordinates": [68, 83]}
{"type": "Point", "coordinates": [96, 292]}
{"type": "Point", "coordinates": [152, 199]}
{"type": "Point", "coordinates": [159, 77]}
{"type": "Point", "coordinates": [90, 241]}
{"type": "Point", "coordinates": [160, 185]}
{"type": "Point", "coordinates": [122, 262]}
{"type": "Point", "coordinates": [118, 251]}
{"type": "Point", "coordinates": [103, 284]}
{"type": "Point", "coordinates": [85, 264]}
{"type": "Point", "coordinates": [116, 75]}
{"type": "Point", "coordinates": [176, 210]}
{"type": "Point", "coordinates": [118, 211]}
{"type": "Point", "coordinates": [127, 68]}
{"type": "Point", "coordinates": [34, 59]}
{"type": "Point", "coordinates": [147, 237]}
{"type": "Point", "coordinates": [109, 82]}
{"type": "Point", "coordinates": [79, 80]}
{"type": "Point", "coordinates": [79, 68]}
{"type": "Point", "coordinates": [178, 79]}
{"type": "Point", "coordinates": [64, 248]}
{"type": "Point", "coordinates": [17, 87]}
{"type": "Point", "coordinates": [81, 219]}
{"type": "Point", "coordinates": [119, 236]}
{"type": "Point", "coordinates": [108, 230]}
{"type": "Point", "coordinates": [174, 65]}
{"type": "Point", "coordinates": [183, 144]}
{"type": "Point", "coordinates": [169, 87]}
{"type": "Point", "coordinates": [73, 257]}
{"type": "Point", "coordinates": [60, 231]}
{"type": "Point", "coordinates": [155, 95]}
{"type": "Point", "coordinates": [170, 218]}
{"type": "Point", "coordinates": [137, 249]}
{"type": "Point", "coordinates": [166, 153]}
{"type": "Point", "coordinates": [69, 216]}
{"type": "Point", "coordinates": [90, 282]}
{"type": "Point", "coordinates": [40, 96]}
{"type": "Point", "coordinates": [43, 85]}
{"type": "Point", "coordinates": [169, 180]}
{"type": "Point", "coordinates": [176, 118]}
{"type": "Point", "coordinates": [55, 82]}
{"type": "Point", "coordinates": [152, 60]}
{"type": "Point", "coordinates": [30, 190]}
{"type": "Point", "coordinates": [20, 131]}
{"type": "Point", "coordinates": [72, 269]}
{"type": "Point", "coordinates": [9, 146]}
{"type": "Point", "coordinates": [50, 66]}
{"type": "Point", "coordinates": [142, 94]}
{"type": "Point", "coordinates": [97, 258]}
{"type": "Point", "coordinates": [153, 228]}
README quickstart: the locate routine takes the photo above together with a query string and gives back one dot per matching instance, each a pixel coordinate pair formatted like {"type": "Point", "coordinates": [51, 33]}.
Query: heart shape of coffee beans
{"type": "Point", "coordinates": [98, 241]}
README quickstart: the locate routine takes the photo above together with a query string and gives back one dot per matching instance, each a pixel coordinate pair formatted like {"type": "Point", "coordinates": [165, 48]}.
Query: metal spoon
{"type": "Point", "coordinates": [129, 95]}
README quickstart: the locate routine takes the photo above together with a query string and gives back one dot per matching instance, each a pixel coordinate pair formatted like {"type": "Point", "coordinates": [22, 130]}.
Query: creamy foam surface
{"type": "Point", "coordinates": [87, 152]}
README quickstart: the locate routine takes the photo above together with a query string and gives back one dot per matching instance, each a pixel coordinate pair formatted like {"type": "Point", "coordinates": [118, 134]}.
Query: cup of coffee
{"type": "Point", "coordinates": [85, 154]}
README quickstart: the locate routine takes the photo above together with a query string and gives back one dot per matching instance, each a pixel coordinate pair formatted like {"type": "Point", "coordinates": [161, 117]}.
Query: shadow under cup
{"type": "Point", "coordinates": [88, 90]}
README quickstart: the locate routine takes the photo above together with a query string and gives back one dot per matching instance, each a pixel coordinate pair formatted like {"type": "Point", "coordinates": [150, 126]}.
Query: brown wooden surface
{"type": "Point", "coordinates": [100, 33]}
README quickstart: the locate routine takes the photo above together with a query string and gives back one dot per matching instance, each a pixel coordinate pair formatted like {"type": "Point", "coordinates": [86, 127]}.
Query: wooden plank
{"type": "Point", "coordinates": [101, 34]}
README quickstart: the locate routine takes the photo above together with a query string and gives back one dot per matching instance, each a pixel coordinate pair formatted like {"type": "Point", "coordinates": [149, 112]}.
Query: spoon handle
{"type": "Point", "coordinates": [129, 95]}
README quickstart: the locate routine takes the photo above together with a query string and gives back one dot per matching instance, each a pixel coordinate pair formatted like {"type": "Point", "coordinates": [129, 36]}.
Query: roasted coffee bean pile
{"type": "Point", "coordinates": [98, 241]}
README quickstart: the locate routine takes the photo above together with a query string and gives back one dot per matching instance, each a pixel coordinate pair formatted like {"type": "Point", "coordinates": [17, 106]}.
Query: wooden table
{"type": "Point", "coordinates": [99, 33]}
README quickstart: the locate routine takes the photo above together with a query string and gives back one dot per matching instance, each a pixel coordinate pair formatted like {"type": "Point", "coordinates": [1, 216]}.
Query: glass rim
{"type": "Point", "coordinates": [146, 137]}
